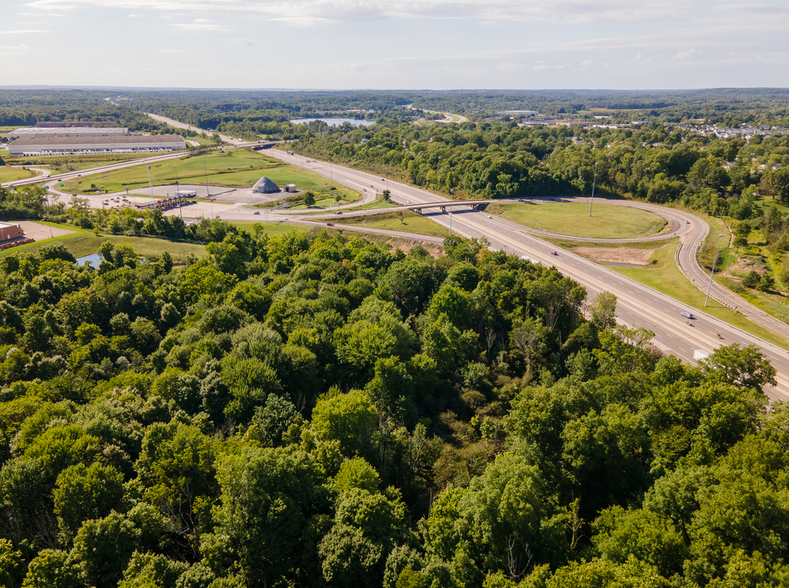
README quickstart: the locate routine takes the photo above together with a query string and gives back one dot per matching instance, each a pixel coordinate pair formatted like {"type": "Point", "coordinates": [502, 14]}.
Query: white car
{"type": "Point", "coordinates": [687, 315]}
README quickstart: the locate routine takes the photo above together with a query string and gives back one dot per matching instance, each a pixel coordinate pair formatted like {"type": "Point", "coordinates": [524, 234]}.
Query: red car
{"type": "Point", "coordinates": [329, 224]}
{"type": "Point", "coordinates": [338, 212]}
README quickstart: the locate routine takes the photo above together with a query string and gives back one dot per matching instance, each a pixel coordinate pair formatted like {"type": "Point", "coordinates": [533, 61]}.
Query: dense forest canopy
{"type": "Point", "coordinates": [327, 411]}
{"type": "Point", "coordinates": [323, 410]}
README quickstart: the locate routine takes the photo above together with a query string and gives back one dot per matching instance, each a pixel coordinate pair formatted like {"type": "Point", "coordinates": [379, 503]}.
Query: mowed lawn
{"type": "Point", "coordinates": [10, 174]}
{"type": "Point", "coordinates": [235, 168]}
{"type": "Point", "coordinates": [409, 222]}
{"type": "Point", "coordinates": [64, 163]}
{"type": "Point", "coordinates": [608, 221]}
{"type": "Point", "coordinates": [271, 229]}
{"type": "Point", "coordinates": [84, 242]}
{"type": "Point", "coordinates": [664, 276]}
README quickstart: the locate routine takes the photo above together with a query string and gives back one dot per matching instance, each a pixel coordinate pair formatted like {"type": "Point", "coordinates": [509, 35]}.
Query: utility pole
{"type": "Point", "coordinates": [594, 183]}
{"type": "Point", "coordinates": [205, 167]}
{"type": "Point", "coordinates": [714, 263]}
{"type": "Point", "coordinates": [149, 180]}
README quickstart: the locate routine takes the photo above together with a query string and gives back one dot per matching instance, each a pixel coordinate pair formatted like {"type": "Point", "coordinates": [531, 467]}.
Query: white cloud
{"type": "Point", "coordinates": [22, 32]}
{"type": "Point", "coordinates": [756, 8]}
{"type": "Point", "coordinates": [201, 24]}
{"type": "Point", "coordinates": [682, 55]}
{"type": "Point", "coordinates": [369, 10]}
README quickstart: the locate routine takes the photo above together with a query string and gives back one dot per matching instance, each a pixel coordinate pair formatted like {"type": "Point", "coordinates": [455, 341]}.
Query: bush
{"type": "Point", "coordinates": [751, 280]}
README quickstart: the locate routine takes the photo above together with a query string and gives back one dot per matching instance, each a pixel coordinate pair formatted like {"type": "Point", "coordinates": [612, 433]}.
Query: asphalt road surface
{"type": "Point", "coordinates": [637, 305]}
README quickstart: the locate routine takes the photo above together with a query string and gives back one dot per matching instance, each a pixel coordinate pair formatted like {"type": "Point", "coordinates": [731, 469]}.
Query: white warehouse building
{"type": "Point", "coordinates": [104, 144]}
{"type": "Point", "coordinates": [26, 132]}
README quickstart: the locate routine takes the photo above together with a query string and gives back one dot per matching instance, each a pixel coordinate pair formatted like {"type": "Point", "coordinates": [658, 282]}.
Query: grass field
{"type": "Point", "coordinates": [9, 174]}
{"type": "Point", "coordinates": [235, 169]}
{"type": "Point", "coordinates": [64, 163]}
{"type": "Point", "coordinates": [84, 242]}
{"type": "Point", "coordinates": [608, 221]}
{"type": "Point", "coordinates": [394, 221]}
{"type": "Point", "coordinates": [272, 229]}
{"type": "Point", "coordinates": [379, 202]}
{"type": "Point", "coordinates": [664, 276]}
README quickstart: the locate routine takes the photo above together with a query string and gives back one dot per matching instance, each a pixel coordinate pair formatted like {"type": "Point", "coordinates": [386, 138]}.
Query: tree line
{"type": "Point", "coordinates": [323, 410]}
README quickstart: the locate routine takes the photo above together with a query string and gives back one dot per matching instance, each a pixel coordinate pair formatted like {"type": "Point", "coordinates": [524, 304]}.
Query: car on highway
{"type": "Point", "coordinates": [256, 212]}
{"type": "Point", "coordinates": [687, 222]}
{"type": "Point", "coordinates": [554, 253]}
{"type": "Point", "coordinates": [329, 224]}
{"type": "Point", "coordinates": [687, 315]}
{"type": "Point", "coordinates": [338, 212]}
{"type": "Point", "coordinates": [490, 216]}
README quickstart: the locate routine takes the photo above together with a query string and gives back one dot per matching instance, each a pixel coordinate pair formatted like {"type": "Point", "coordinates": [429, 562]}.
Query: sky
{"type": "Point", "coordinates": [396, 44]}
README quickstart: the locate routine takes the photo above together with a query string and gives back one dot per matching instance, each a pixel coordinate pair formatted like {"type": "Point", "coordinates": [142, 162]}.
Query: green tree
{"type": "Point", "coordinates": [349, 419]}
{"type": "Point", "coordinates": [268, 496]}
{"type": "Point", "coordinates": [603, 311]}
{"type": "Point", "coordinates": [83, 493]}
{"type": "Point", "coordinates": [742, 366]}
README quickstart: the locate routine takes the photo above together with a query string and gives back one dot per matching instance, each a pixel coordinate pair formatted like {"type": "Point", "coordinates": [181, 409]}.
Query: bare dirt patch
{"type": "Point", "coordinates": [628, 255]}
{"type": "Point", "coordinates": [39, 232]}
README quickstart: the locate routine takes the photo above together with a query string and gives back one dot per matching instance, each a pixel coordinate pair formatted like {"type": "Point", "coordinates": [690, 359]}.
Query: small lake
{"type": "Point", "coordinates": [94, 258]}
{"type": "Point", "coordinates": [335, 122]}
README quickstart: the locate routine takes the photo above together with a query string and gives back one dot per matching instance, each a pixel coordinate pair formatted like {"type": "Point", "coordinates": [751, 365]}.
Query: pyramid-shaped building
{"type": "Point", "coordinates": [265, 186]}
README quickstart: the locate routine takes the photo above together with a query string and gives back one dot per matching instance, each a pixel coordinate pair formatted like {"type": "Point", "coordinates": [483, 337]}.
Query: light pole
{"type": "Point", "coordinates": [594, 183]}
{"type": "Point", "coordinates": [178, 193]}
{"type": "Point", "coordinates": [205, 167]}
{"type": "Point", "coordinates": [714, 263]}
{"type": "Point", "coordinates": [149, 180]}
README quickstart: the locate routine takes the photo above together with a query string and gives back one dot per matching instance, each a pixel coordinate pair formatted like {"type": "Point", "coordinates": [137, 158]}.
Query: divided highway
{"type": "Point", "coordinates": [637, 305]}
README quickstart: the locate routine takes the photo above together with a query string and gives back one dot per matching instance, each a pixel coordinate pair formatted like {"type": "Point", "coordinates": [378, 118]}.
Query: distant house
{"type": "Point", "coordinates": [290, 188]}
{"type": "Point", "coordinates": [10, 231]}
{"type": "Point", "coordinates": [265, 186]}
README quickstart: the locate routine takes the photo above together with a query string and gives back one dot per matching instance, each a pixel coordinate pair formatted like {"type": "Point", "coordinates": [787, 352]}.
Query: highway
{"type": "Point", "coordinates": [637, 305]}
{"type": "Point", "coordinates": [72, 175]}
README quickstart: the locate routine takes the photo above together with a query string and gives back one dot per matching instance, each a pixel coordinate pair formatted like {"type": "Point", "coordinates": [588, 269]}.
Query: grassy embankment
{"type": "Point", "coordinates": [234, 169]}
{"type": "Point", "coordinates": [11, 174]}
{"type": "Point", "coordinates": [83, 242]}
{"type": "Point", "coordinates": [608, 221]}
{"type": "Point", "coordinates": [59, 164]}
{"type": "Point", "coordinates": [663, 275]}
{"type": "Point", "coordinates": [758, 256]}
{"type": "Point", "coordinates": [407, 221]}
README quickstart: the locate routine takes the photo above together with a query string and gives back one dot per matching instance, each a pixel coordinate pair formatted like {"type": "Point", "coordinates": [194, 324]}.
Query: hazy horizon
{"type": "Point", "coordinates": [435, 44]}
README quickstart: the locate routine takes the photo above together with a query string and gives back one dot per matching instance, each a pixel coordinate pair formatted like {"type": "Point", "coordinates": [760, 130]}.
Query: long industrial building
{"type": "Point", "coordinates": [103, 144]}
{"type": "Point", "coordinates": [26, 132]}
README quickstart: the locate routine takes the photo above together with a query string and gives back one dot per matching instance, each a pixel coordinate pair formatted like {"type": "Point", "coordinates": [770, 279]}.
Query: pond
{"type": "Point", "coordinates": [334, 122]}
{"type": "Point", "coordinates": [94, 259]}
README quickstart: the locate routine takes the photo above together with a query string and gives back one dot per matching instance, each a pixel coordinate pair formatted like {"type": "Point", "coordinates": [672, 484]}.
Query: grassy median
{"type": "Point", "coordinates": [608, 221]}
